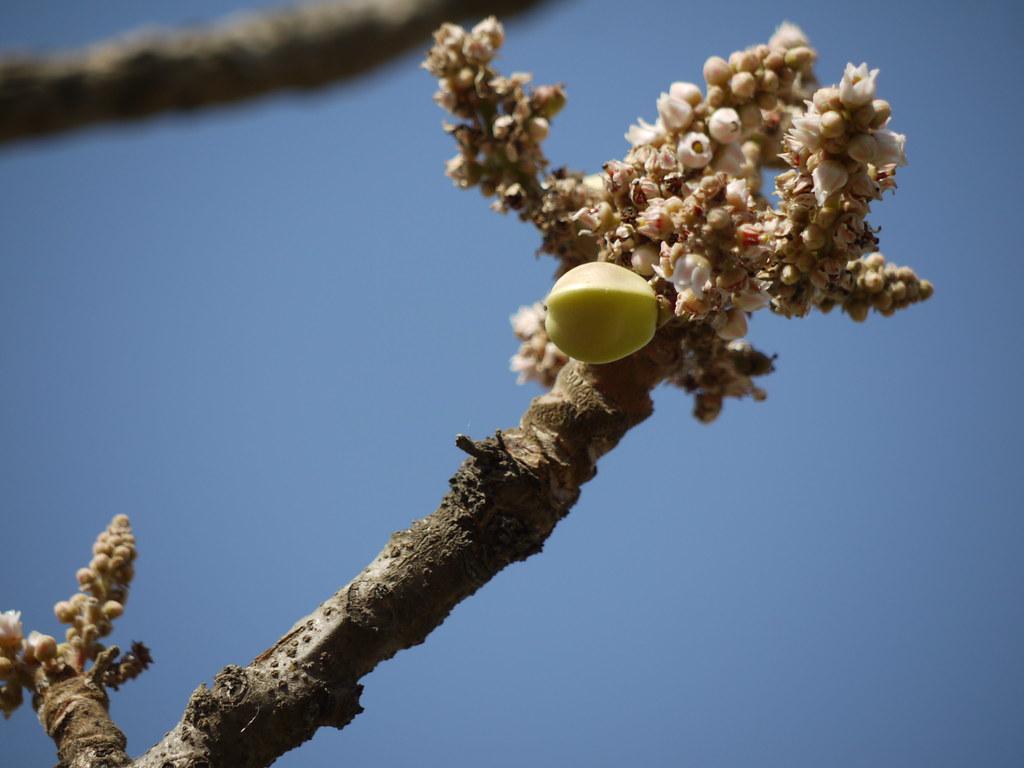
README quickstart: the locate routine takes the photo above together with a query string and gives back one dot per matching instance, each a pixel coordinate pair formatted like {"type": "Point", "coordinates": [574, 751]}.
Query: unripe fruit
{"type": "Point", "coordinates": [600, 312]}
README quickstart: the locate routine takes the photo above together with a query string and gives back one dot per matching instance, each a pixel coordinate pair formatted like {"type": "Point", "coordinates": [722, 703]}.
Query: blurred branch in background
{"type": "Point", "coordinates": [144, 74]}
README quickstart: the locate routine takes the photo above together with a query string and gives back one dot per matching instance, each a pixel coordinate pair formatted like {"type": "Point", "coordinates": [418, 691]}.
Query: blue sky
{"type": "Point", "coordinates": [257, 331]}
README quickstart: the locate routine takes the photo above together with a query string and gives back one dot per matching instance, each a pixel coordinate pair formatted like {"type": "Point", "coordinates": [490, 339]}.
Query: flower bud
{"type": "Point", "coordinates": [832, 125]}
{"type": "Point", "coordinates": [687, 92]}
{"type": "Point", "coordinates": [724, 125]}
{"type": "Point", "coordinates": [717, 71]}
{"type": "Point", "coordinates": [538, 128]}
{"type": "Point", "coordinates": [743, 85]}
{"type": "Point", "coordinates": [40, 647]}
{"type": "Point", "coordinates": [6, 668]}
{"type": "Point", "coordinates": [112, 609]}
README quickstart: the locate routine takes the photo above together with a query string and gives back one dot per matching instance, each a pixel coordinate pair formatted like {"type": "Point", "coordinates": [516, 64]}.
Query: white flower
{"type": "Point", "coordinates": [805, 133]}
{"type": "Point", "coordinates": [788, 35]}
{"type": "Point", "coordinates": [676, 114]}
{"type": "Point", "coordinates": [829, 177]}
{"type": "Point", "coordinates": [643, 132]}
{"type": "Point", "coordinates": [890, 147]}
{"type": "Point", "coordinates": [724, 125]}
{"type": "Point", "coordinates": [857, 87]}
{"type": "Point", "coordinates": [694, 150]}
{"type": "Point", "coordinates": [691, 271]}
{"type": "Point", "coordinates": [654, 222]}
{"type": "Point", "coordinates": [10, 629]}
{"type": "Point", "coordinates": [688, 92]}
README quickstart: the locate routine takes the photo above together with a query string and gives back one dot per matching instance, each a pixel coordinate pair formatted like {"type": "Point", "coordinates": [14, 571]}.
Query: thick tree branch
{"type": "Point", "coordinates": [298, 48]}
{"type": "Point", "coordinates": [504, 502]}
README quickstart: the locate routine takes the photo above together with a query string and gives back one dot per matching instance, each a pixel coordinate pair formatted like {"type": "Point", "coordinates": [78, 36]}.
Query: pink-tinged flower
{"type": "Point", "coordinates": [694, 150]}
{"type": "Point", "coordinates": [857, 87]}
{"type": "Point", "coordinates": [676, 114]}
{"type": "Point", "coordinates": [619, 175]}
{"type": "Point", "coordinates": [891, 147]}
{"type": "Point", "coordinates": [10, 629]}
{"type": "Point", "coordinates": [690, 271]}
{"type": "Point", "coordinates": [829, 177]}
{"type": "Point", "coordinates": [724, 125]}
{"type": "Point", "coordinates": [643, 189]}
{"type": "Point", "coordinates": [654, 222]}
{"type": "Point", "coordinates": [642, 132]}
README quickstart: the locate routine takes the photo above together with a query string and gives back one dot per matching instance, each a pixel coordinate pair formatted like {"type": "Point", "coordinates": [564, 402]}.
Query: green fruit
{"type": "Point", "coordinates": [600, 312]}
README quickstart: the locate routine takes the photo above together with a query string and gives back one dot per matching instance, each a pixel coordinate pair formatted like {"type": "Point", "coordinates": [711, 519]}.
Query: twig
{"type": "Point", "coordinates": [148, 73]}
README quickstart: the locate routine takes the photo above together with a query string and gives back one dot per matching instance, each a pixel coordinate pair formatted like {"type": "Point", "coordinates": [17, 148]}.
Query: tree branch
{"type": "Point", "coordinates": [505, 501]}
{"type": "Point", "coordinates": [142, 75]}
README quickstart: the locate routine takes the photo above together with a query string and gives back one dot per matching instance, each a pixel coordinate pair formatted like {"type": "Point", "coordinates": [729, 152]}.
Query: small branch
{"type": "Point", "coordinates": [75, 714]}
{"type": "Point", "coordinates": [142, 75]}
{"type": "Point", "coordinates": [504, 503]}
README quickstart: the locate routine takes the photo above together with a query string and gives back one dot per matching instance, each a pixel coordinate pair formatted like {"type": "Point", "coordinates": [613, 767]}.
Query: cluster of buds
{"type": "Point", "coordinates": [684, 208]}
{"type": "Point", "coordinates": [499, 144]}
{"type": "Point", "coordinates": [842, 156]}
{"type": "Point", "coordinates": [538, 359]}
{"type": "Point", "coordinates": [104, 590]}
{"type": "Point", "coordinates": [38, 659]}
{"type": "Point", "coordinates": [872, 283]}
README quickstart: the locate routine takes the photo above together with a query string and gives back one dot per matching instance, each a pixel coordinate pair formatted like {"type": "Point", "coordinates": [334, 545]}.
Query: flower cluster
{"type": "Point", "coordinates": [538, 359]}
{"type": "Point", "coordinates": [499, 146]}
{"type": "Point", "coordinates": [104, 590]}
{"type": "Point", "coordinates": [28, 662]}
{"type": "Point", "coordinates": [684, 207]}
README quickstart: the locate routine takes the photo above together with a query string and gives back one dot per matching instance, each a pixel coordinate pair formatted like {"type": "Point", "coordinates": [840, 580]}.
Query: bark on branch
{"type": "Point", "coordinates": [298, 48]}
{"type": "Point", "coordinates": [504, 502]}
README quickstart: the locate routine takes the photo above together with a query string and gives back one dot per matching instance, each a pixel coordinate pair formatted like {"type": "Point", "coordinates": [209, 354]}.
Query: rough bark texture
{"type": "Point", "coordinates": [299, 48]}
{"type": "Point", "coordinates": [504, 502]}
{"type": "Point", "coordinates": [75, 714]}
